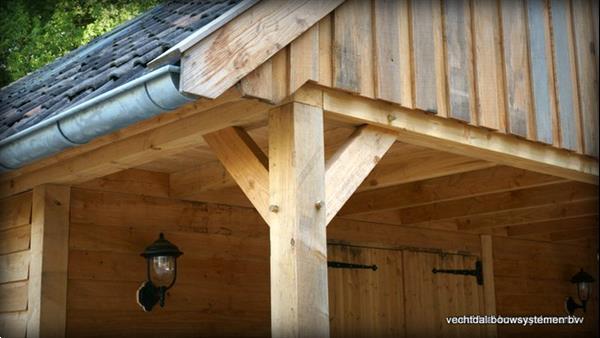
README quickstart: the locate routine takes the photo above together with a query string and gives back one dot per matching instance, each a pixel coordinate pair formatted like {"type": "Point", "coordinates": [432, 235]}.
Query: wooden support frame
{"type": "Point", "coordinates": [420, 128]}
{"type": "Point", "coordinates": [304, 195]}
{"type": "Point", "coordinates": [47, 289]}
{"type": "Point", "coordinates": [246, 163]}
{"type": "Point", "coordinates": [489, 288]}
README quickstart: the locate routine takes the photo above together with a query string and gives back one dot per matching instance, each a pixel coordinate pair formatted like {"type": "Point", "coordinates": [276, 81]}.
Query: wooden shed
{"type": "Point", "coordinates": [316, 162]}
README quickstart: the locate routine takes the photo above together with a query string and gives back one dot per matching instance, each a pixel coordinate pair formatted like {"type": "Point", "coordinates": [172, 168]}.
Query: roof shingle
{"type": "Point", "coordinates": [108, 61]}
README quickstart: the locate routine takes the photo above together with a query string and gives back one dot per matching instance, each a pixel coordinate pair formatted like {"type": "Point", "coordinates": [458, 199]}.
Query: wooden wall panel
{"type": "Point", "coordinates": [587, 72]}
{"type": "Point", "coordinates": [539, 284]}
{"type": "Point", "coordinates": [222, 287]}
{"type": "Point", "coordinates": [516, 68]}
{"type": "Point", "coordinates": [459, 60]}
{"type": "Point", "coordinates": [528, 68]}
{"type": "Point", "coordinates": [566, 86]}
{"type": "Point", "coordinates": [488, 64]}
{"type": "Point", "coordinates": [15, 230]}
{"type": "Point", "coordinates": [353, 48]}
{"type": "Point", "coordinates": [542, 78]}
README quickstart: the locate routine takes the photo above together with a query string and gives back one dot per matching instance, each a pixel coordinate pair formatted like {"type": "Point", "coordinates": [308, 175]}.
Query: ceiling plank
{"type": "Point", "coordinates": [470, 184]}
{"type": "Point", "coordinates": [484, 204]}
{"type": "Point", "coordinates": [569, 224]}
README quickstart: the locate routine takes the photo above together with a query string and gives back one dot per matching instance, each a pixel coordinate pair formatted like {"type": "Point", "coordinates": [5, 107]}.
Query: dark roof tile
{"type": "Point", "coordinates": [106, 62]}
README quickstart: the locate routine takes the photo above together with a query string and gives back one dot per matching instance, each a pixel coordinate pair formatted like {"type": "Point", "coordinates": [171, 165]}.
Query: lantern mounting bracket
{"type": "Point", "coordinates": [477, 272]}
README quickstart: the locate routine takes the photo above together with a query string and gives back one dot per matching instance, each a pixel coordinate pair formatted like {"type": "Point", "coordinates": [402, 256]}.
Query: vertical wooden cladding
{"type": "Point", "coordinates": [587, 71]}
{"type": "Point", "coordinates": [488, 64]}
{"type": "Point", "coordinates": [427, 47]}
{"type": "Point", "coordinates": [15, 233]}
{"type": "Point", "coordinates": [459, 60]}
{"type": "Point", "coordinates": [564, 68]}
{"type": "Point", "coordinates": [527, 68]}
{"type": "Point", "coordinates": [516, 68]}
{"type": "Point", "coordinates": [353, 48]}
{"type": "Point", "coordinates": [542, 78]}
{"type": "Point", "coordinates": [392, 51]}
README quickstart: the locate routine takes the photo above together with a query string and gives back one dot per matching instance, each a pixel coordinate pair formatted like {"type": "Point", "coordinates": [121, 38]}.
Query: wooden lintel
{"type": "Point", "coordinates": [352, 163]}
{"type": "Point", "coordinates": [424, 129]}
{"type": "Point", "coordinates": [245, 162]}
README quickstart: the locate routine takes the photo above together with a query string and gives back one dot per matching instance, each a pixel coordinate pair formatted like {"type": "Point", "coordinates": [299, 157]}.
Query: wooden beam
{"type": "Point", "coordinates": [560, 192]}
{"type": "Point", "coordinates": [140, 148]}
{"type": "Point", "coordinates": [408, 166]}
{"type": "Point", "coordinates": [246, 163]}
{"type": "Point", "coordinates": [349, 166]}
{"type": "Point", "coordinates": [250, 39]}
{"type": "Point", "coordinates": [470, 184]}
{"type": "Point", "coordinates": [420, 128]}
{"type": "Point", "coordinates": [575, 223]}
{"type": "Point", "coordinates": [47, 287]}
{"type": "Point", "coordinates": [489, 289]}
{"type": "Point", "coordinates": [521, 217]}
{"type": "Point", "coordinates": [299, 300]}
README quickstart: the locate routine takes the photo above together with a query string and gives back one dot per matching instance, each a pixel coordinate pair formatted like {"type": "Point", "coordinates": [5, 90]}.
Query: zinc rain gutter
{"type": "Point", "coordinates": [137, 100]}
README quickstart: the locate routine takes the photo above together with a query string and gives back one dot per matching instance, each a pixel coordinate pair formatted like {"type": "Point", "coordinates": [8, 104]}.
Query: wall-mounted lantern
{"type": "Point", "coordinates": [584, 281]}
{"type": "Point", "coordinates": [161, 264]}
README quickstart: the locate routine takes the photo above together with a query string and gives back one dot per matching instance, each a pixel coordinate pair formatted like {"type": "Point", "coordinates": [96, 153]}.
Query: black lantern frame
{"type": "Point", "coordinates": [579, 279]}
{"type": "Point", "coordinates": [149, 294]}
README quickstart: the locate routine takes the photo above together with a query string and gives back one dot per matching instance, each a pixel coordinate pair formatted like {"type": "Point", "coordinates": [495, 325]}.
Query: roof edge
{"type": "Point", "coordinates": [173, 54]}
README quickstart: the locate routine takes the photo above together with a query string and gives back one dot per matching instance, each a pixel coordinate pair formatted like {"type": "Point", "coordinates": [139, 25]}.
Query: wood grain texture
{"type": "Point", "coordinates": [587, 73]}
{"type": "Point", "coordinates": [13, 297]}
{"type": "Point", "coordinates": [489, 289]}
{"type": "Point", "coordinates": [15, 211]}
{"type": "Point", "coordinates": [299, 305]}
{"type": "Point", "coordinates": [516, 69]}
{"type": "Point", "coordinates": [15, 239]}
{"type": "Point", "coordinates": [304, 58]}
{"type": "Point", "coordinates": [351, 164]}
{"type": "Point", "coordinates": [473, 183]}
{"type": "Point", "coordinates": [352, 48]}
{"type": "Point", "coordinates": [565, 71]}
{"type": "Point", "coordinates": [459, 60]}
{"type": "Point", "coordinates": [251, 39]}
{"type": "Point", "coordinates": [444, 134]}
{"type": "Point", "coordinates": [245, 162]}
{"type": "Point", "coordinates": [14, 267]}
{"type": "Point", "coordinates": [424, 27]}
{"type": "Point", "coordinates": [388, 56]}
{"type": "Point", "coordinates": [47, 287]}
{"type": "Point", "coordinates": [542, 77]}
{"type": "Point", "coordinates": [488, 65]}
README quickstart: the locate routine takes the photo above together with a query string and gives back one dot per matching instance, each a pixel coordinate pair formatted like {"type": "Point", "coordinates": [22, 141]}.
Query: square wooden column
{"type": "Point", "coordinates": [299, 296]}
{"type": "Point", "coordinates": [47, 299]}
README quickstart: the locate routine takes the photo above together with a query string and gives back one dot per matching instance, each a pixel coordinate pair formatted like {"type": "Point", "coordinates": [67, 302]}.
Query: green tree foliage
{"type": "Point", "coordinates": [35, 32]}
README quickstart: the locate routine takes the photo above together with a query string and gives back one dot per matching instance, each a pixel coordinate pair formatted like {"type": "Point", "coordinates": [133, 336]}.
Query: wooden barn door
{"type": "Point", "coordinates": [403, 298]}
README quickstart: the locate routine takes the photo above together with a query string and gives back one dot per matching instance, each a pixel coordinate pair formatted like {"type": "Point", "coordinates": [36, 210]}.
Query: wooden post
{"type": "Point", "coordinates": [299, 298]}
{"type": "Point", "coordinates": [489, 289]}
{"type": "Point", "coordinates": [47, 298]}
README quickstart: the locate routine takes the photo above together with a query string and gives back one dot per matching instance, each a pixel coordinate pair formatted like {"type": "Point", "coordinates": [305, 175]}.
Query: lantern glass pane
{"type": "Point", "coordinates": [583, 289]}
{"type": "Point", "coordinates": [162, 271]}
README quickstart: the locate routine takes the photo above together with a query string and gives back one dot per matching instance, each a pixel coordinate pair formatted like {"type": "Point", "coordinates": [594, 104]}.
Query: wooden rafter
{"type": "Point", "coordinates": [545, 227]}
